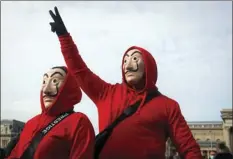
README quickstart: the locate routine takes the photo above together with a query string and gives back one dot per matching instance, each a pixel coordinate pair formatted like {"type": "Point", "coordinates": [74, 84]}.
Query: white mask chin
{"type": "Point", "coordinates": [47, 104]}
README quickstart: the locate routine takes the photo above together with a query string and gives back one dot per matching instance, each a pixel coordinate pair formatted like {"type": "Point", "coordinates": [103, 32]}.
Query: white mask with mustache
{"type": "Point", "coordinates": [52, 82]}
{"type": "Point", "coordinates": [133, 67]}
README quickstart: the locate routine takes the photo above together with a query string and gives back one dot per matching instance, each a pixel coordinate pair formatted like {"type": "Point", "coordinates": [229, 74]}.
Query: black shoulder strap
{"type": "Point", "coordinates": [102, 137]}
{"type": "Point", "coordinates": [29, 152]}
{"type": "Point", "coordinates": [132, 109]}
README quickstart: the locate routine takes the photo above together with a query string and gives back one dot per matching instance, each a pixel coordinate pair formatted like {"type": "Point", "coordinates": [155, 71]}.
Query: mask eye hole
{"type": "Point", "coordinates": [54, 80]}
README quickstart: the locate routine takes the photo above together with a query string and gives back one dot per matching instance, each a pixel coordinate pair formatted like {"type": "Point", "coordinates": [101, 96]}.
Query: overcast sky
{"type": "Point", "coordinates": [191, 42]}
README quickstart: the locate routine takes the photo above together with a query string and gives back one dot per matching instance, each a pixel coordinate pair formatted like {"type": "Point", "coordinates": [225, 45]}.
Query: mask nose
{"type": "Point", "coordinates": [129, 65]}
{"type": "Point", "coordinates": [47, 90]}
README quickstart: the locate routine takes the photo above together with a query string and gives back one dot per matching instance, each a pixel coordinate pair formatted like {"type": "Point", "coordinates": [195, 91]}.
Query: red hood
{"type": "Point", "coordinates": [69, 95]}
{"type": "Point", "coordinates": [150, 69]}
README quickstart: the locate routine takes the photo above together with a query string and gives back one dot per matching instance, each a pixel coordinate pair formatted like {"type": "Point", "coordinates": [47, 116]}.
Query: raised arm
{"type": "Point", "coordinates": [181, 135]}
{"type": "Point", "coordinates": [83, 140]}
{"type": "Point", "coordinates": [90, 83]}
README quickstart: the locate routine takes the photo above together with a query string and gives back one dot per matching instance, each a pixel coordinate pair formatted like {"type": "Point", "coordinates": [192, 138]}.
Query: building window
{"type": "Point", "coordinates": [6, 130]}
{"type": "Point", "coordinates": [4, 143]}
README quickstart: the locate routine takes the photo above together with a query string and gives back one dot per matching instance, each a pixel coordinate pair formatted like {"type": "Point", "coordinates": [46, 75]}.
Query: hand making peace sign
{"type": "Point", "coordinates": [58, 25]}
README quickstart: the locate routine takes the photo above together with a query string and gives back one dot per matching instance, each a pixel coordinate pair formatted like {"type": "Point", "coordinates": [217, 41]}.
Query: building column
{"type": "Point", "coordinates": [226, 134]}
{"type": "Point", "coordinates": [231, 138]}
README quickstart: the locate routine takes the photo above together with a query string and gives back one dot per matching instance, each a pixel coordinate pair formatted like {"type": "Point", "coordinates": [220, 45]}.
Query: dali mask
{"type": "Point", "coordinates": [52, 82]}
{"type": "Point", "coordinates": [133, 67]}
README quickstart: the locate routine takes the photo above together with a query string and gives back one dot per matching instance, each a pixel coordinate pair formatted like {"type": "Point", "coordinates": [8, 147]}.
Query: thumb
{"type": "Point", "coordinates": [53, 26]}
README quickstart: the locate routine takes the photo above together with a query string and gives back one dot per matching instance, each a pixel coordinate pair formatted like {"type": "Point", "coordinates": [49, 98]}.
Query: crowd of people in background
{"type": "Point", "coordinates": [222, 152]}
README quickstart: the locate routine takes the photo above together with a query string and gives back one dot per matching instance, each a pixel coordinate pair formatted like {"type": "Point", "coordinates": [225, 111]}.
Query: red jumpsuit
{"type": "Point", "coordinates": [72, 138]}
{"type": "Point", "coordinates": [143, 135]}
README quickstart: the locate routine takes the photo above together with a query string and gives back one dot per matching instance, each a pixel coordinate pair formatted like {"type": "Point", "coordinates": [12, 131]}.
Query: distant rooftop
{"type": "Point", "coordinates": [227, 110]}
{"type": "Point", "coordinates": [6, 121]}
{"type": "Point", "coordinates": [10, 121]}
{"type": "Point", "coordinates": [204, 122]}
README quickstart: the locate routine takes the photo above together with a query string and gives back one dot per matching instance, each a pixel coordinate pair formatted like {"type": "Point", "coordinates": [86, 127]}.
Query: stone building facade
{"type": "Point", "coordinates": [209, 133]}
{"type": "Point", "coordinates": [9, 128]}
{"type": "Point", "coordinates": [226, 115]}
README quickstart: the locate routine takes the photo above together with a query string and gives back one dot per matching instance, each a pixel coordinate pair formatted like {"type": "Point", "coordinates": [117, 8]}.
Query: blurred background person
{"type": "Point", "coordinates": [223, 152]}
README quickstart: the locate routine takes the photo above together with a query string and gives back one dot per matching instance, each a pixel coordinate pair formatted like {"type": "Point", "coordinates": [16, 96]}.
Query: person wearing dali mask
{"type": "Point", "coordinates": [70, 136]}
{"type": "Point", "coordinates": [144, 134]}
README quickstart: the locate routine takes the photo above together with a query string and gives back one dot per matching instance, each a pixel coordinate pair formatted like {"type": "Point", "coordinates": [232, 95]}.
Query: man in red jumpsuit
{"type": "Point", "coordinates": [71, 138]}
{"type": "Point", "coordinates": [144, 134]}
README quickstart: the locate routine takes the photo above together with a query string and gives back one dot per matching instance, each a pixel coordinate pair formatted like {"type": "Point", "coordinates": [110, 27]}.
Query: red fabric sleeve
{"type": "Point", "coordinates": [181, 135]}
{"type": "Point", "coordinates": [90, 83]}
{"type": "Point", "coordinates": [83, 140]}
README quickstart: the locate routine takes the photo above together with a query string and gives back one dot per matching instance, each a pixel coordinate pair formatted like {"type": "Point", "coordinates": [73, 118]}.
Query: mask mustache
{"type": "Point", "coordinates": [49, 94]}
{"type": "Point", "coordinates": [131, 69]}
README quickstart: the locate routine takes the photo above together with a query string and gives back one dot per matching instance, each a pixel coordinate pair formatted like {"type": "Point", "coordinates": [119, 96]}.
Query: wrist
{"type": "Point", "coordinates": [64, 35]}
{"type": "Point", "coordinates": [61, 32]}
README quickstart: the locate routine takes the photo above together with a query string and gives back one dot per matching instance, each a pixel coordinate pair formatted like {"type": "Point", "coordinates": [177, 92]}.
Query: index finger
{"type": "Point", "coordinates": [56, 11]}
